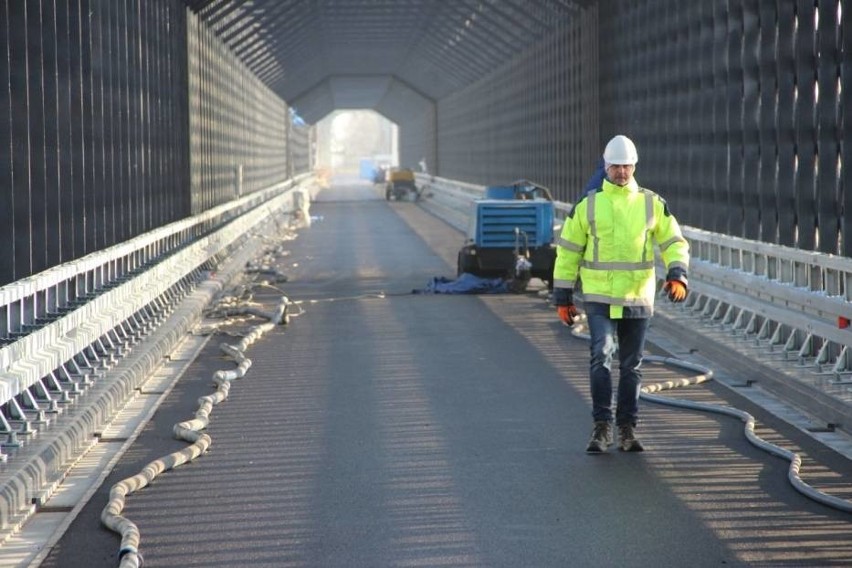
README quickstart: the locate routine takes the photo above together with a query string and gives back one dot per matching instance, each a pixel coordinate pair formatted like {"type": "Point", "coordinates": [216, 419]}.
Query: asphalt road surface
{"type": "Point", "coordinates": [385, 428]}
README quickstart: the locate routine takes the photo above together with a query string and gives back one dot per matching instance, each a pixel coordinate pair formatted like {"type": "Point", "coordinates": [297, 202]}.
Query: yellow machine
{"type": "Point", "coordinates": [399, 184]}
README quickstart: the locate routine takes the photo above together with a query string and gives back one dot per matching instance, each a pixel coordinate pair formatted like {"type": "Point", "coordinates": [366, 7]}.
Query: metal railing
{"type": "Point", "coordinates": [791, 301]}
{"type": "Point", "coordinates": [80, 339]}
{"type": "Point", "coordinates": [69, 316]}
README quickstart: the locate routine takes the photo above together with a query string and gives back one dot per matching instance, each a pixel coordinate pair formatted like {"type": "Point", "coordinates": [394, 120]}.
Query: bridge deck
{"type": "Point", "coordinates": [384, 428]}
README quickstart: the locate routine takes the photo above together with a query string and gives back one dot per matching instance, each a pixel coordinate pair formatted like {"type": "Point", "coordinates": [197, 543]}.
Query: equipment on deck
{"type": "Point", "coordinates": [510, 235]}
{"type": "Point", "coordinates": [400, 184]}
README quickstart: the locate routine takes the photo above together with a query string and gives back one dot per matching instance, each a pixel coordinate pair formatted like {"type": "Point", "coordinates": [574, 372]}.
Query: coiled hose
{"type": "Point", "coordinates": [190, 431]}
{"type": "Point", "coordinates": [706, 374]}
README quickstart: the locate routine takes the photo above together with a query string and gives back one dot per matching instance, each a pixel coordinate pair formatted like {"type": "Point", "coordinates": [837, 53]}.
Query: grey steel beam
{"type": "Point", "coordinates": [512, 18]}
{"type": "Point", "coordinates": [20, 16]}
{"type": "Point", "coordinates": [845, 135]}
{"type": "Point", "coordinates": [273, 19]}
{"type": "Point", "coordinates": [7, 198]}
{"type": "Point", "coordinates": [829, 216]}
{"type": "Point", "coordinates": [280, 43]}
{"type": "Point", "coordinates": [484, 43]}
{"type": "Point", "coordinates": [213, 16]}
{"type": "Point", "coordinates": [805, 123]}
{"type": "Point", "coordinates": [768, 117]}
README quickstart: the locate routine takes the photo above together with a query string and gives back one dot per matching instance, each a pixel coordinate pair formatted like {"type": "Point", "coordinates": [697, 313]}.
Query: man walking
{"type": "Point", "coordinates": [607, 243]}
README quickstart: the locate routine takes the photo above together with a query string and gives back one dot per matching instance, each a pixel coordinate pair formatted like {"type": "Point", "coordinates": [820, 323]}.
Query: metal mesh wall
{"type": "Point", "coordinates": [301, 140]}
{"type": "Point", "coordinates": [534, 118]}
{"type": "Point", "coordinates": [238, 127]}
{"type": "Point", "coordinates": [417, 140]}
{"type": "Point", "coordinates": [120, 116]}
{"type": "Point", "coordinates": [738, 109]}
{"type": "Point", "coordinates": [91, 127]}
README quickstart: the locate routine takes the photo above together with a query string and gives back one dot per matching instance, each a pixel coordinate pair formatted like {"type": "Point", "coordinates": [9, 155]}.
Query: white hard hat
{"type": "Point", "coordinates": [621, 150]}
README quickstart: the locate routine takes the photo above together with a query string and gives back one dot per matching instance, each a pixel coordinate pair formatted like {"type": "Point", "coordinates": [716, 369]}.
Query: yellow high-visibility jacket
{"type": "Point", "coordinates": [607, 242]}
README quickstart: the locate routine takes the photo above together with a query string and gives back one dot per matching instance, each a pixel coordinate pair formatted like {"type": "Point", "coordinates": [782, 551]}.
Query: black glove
{"type": "Point", "coordinates": [562, 297]}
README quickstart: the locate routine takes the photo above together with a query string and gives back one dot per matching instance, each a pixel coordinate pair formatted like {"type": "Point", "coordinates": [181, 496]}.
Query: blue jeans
{"type": "Point", "coordinates": [631, 343]}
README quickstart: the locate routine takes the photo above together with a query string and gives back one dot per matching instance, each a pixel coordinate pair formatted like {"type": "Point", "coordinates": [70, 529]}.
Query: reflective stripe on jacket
{"type": "Point", "coordinates": [608, 241]}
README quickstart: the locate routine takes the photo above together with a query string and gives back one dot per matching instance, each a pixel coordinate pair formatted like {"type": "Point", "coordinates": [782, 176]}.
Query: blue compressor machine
{"type": "Point", "coordinates": [510, 235]}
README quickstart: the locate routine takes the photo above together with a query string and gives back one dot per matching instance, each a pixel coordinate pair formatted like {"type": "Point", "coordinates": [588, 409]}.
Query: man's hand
{"type": "Point", "coordinates": [563, 299]}
{"type": "Point", "coordinates": [567, 313]}
{"type": "Point", "coordinates": [676, 290]}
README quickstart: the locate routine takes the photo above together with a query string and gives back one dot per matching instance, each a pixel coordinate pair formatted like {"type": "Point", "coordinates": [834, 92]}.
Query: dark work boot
{"type": "Point", "coordinates": [627, 439]}
{"type": "Point", "coordinates": [601, 437]}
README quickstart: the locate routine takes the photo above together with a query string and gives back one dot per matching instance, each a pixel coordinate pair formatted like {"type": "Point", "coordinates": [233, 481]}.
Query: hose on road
{"type": "Point", "coordinates": [705, 374]}
{"type": "Point", "coordinates": [190, 431]}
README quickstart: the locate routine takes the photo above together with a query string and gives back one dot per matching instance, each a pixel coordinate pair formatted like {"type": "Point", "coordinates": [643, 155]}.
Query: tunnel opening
{"type": "Point", "coordinates": [357, 143]}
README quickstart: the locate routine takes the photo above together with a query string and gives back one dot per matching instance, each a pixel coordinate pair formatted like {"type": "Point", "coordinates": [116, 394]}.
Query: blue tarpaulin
{"type": "Point", "coordinates": [465, 284]}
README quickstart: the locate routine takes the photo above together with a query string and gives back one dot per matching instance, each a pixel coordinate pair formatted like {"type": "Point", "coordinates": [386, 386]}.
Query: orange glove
{"type": "Point", "coordinates": [676, 290]}
{"type": "Point", "coordinates": [567, 313]}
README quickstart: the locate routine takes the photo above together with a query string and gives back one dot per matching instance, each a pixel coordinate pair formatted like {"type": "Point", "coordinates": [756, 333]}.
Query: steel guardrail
{"type": "Point", "coordinates": [795, 301]}
{"type": "Point", "coordinates": [86, 335]}
{"type": "Point", "coordinates": [47, 318]}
